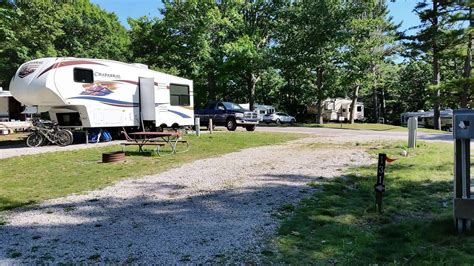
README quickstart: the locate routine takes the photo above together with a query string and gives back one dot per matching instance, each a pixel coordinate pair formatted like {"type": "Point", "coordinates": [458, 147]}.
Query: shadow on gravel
{"type": "Point", "coordinates": [5, 144]}
{"type": "Point", "coordinates": [163, 224]}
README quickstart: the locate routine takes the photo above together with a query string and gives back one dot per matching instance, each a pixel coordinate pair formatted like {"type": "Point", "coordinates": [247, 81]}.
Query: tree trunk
{"type": "Point", "coordinates": [353, 104]}
{"type": "Point", "coordinates": [382, 109]}
{"type": "Point", "coordinates": [319, 117]}
{"type": "Point", "coordinates": [376, 106]}
{"type": "Point", "coordinates": [436, 69]}
{"type": "Point", "coordinates": [252, 80]}
{"type": "Point", "coordinates": [211, 86]}
{"type": "Point", "coordinates": [466, 91]}
{"type": "Point", "coordinates": [319, 87]}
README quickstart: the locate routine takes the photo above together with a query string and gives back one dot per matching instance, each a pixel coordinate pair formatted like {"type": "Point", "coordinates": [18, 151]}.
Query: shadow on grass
{"type": "Point", "coordinates": [8, 204]}
{"type": "Point", "coordinates": [340, 225]}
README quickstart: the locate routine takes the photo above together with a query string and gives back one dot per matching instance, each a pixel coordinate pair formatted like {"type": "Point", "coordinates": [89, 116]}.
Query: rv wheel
{"type": "Point", "coordinates": [231, 125]}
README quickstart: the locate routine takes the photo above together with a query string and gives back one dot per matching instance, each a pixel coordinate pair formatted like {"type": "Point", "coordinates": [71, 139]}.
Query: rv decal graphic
{"type": "Point", "coordinates": [118, 103]}
{"type": "Point", "coordinates": [179, 113]}
{"type": "Point", "coordinates": [100, 88]}
{"type": "Point", "coordinates": [107, 101]}
{"type": "Point", "coordinates": [69, 63]}
{"type": "Point", "coordinates": [29, 68]}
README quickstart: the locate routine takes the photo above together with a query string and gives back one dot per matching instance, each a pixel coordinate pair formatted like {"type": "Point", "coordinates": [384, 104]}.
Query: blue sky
{"type": "Point", "coordinates": [401, 10]}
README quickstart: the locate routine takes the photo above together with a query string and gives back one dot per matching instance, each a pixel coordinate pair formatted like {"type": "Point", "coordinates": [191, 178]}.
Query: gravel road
{"type": "Point", "coordinates": [359, 135]}
{"type": "Point", "coordinates": [214, 210]}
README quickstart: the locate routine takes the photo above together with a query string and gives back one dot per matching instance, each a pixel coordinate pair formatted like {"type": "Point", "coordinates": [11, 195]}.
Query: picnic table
{"type": "Point", "coordinates": [158, 139]}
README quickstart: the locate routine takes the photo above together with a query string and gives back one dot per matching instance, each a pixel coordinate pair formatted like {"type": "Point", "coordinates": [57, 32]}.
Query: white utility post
{"type": "Point", "coordinates": [210, 125]}
{"type": "Point", "coordinates": [412, 131]}
{"type": "Point", "coordinates": [197, 125]}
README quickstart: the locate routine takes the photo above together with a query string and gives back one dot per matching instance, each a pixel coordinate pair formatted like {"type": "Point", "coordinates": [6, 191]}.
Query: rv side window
{"type": "Point", "coordinates": [179, 95]}
{"type": "Point", "coordinates": [83, 75]}
{"type": "Point", "coordinates": [359, 108]}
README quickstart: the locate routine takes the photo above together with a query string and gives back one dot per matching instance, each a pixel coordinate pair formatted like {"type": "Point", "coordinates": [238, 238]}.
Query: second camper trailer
{"type": "Point", "coordinates": [338, 109]}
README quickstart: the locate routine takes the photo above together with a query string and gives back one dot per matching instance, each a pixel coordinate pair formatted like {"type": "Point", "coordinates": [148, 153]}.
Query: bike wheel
{"type": "Point", "coordinates": [34, 140]}
{"type": "Point", "coordinates": [63, 138]}
{"type": "Point", "coordinates": [70, 134]}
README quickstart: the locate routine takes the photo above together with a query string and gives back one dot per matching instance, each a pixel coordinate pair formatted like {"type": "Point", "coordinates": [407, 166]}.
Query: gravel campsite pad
{"type": "Point", "coordinates": [214, 210]}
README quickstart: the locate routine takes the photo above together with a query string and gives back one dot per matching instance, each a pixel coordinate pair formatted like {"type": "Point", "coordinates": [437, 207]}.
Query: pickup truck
{"type": "Point", "coordinates": [227, 114]}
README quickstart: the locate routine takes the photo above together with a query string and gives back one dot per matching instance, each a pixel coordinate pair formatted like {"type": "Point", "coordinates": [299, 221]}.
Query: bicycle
{"type": "Point", "coordinates": [53, 134]}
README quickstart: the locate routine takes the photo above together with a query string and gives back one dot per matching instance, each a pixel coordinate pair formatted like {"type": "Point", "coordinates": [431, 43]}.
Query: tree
{"type": "Point", "coordinates": [194, 34]}
{"type": "Point", "coordinates": [89, 31]}
{"type": "Point", "coordinates": [370, 42]}
{"type": "Point", "coordinates": [23, 27]}
{"type": "Point", "coordinates": [460, 14]}
{"type": "Point", "coordinates": [248, 50]}
{"type": "Point", "coordinates": [410, 91]}
{"type": "Point", "coordinates": [434, 37]}
{"type": "Point", "coordinates": [48, 28]}
{"type": "Point", "coordinates": [310, 35]}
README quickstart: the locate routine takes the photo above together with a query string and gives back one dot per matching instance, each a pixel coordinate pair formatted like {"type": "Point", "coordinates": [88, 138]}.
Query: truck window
{"type": "Point", "coordinates": [83, 75]}
{"type": "Point", "coordinates": [220, 106]}
{"type": "Point", "coordinates": [179, 95]}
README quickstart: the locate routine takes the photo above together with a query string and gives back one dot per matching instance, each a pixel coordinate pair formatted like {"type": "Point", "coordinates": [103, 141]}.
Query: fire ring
{"type": "Point", "coordinates": [113, 157]}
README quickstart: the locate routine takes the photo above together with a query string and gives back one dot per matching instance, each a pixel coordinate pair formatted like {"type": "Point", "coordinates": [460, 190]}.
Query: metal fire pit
{"type": "Point", "coordinates": [113, 157]}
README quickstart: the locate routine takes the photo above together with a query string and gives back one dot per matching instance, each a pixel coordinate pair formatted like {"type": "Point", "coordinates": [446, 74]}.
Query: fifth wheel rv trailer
{"type": "Point", "coordinates": [95, 93]}
{"type": "Point", "coordinates": [338, 109]}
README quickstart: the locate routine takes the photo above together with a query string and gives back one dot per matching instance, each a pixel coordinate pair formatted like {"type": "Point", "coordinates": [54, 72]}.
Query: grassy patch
{"type": "Point", "coordinates": [339, 224]}
{"type": "Point", "coordinates": [34, 178]}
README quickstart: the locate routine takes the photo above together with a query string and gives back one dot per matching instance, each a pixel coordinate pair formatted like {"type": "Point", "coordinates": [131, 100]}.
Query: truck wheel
{"type": "Point", "coordinates": [231, 125]}
{"type": "Point", "coordinates": [250, 128]}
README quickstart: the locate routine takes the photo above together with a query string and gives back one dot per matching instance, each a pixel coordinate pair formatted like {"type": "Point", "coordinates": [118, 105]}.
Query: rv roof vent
{"type": "Point", "coordinates": [140, 65]}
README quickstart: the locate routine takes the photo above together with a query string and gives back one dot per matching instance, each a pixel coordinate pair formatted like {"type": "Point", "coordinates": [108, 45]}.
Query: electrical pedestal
{"type": "Point", "coordinates": [463, 132]}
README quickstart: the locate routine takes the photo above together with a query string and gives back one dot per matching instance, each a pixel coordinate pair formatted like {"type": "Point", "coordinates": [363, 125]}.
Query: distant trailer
{"type": "Point", "coordinates": [338, 109]}
{"type": "Point", "coordinates": [96, 93]}
{"type": "Point", "coordinates": [426, 118]}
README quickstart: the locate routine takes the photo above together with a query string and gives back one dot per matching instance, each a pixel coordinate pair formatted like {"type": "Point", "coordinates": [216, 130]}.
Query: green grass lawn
{"type": "Point", "coordinates": [339, 224]}
{"type": "Point", "coordinates": [34, 178]}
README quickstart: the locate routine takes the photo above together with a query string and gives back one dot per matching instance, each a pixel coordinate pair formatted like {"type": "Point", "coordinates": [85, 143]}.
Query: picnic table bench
{"type": "Point", "coordinates": [158, 139]}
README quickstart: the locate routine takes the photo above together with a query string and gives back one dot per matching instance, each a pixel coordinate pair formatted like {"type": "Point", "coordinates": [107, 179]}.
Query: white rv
{"type": "Point", "coordinates": [338, 109]}
{"type": "Point", "coordinates": [95, 93]}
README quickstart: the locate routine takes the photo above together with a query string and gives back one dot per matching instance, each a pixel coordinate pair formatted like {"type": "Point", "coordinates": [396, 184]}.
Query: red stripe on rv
{"type": "Point", "coordinates": [69, 63]}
